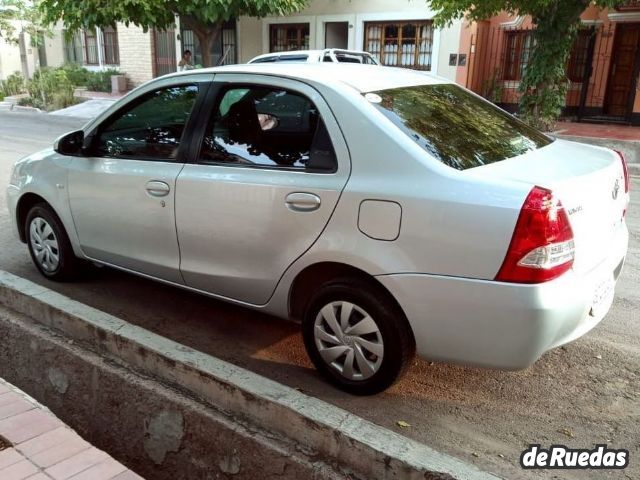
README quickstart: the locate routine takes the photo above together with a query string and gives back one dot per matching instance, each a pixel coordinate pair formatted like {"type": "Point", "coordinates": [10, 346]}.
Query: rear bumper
{"type": "Point", "coordinates": [502, 325]}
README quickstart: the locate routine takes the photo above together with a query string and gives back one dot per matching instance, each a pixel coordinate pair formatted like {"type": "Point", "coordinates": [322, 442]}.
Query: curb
{"type": "Point", "coordinates": [18, 108]}
{"type": "Point", "coordinates": [336, 435]}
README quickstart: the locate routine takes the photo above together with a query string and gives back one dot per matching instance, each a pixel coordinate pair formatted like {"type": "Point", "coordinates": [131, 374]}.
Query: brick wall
{"type": "Point", "coordinates": [136, 53]}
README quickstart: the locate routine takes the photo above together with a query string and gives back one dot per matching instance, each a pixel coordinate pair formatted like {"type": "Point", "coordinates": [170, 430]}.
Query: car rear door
{"type": "Point", "coordinates": [122, 194]}
{"type": "Point", "coordinates": [266, 179]}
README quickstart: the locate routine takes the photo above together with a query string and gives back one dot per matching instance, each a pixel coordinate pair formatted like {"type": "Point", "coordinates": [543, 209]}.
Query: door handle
{"type": "Point", "coordinates": [302, 202]}
{"type": "Point", "coordinates": [156, 188]}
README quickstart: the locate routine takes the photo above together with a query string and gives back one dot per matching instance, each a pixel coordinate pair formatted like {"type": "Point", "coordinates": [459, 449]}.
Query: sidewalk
{"type": "Point", "coordinates": [595, 130]}
{"type": "Point", "coordinates": [88, 110]}
{"type": "Point", "coordinates": [35, 445]}
{"type": "Point", "coordinates": [96, 103]}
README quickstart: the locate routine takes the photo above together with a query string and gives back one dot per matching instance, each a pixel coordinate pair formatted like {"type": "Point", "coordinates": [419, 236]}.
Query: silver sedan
{"type": "Point", "coordinates": [388, 211]}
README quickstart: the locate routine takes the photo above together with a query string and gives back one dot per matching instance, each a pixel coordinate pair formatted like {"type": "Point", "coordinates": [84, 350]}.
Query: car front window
{"type": "Point", "coordinates": [151, 128]}
{"type": "Point", "coordinates": [455, 126]}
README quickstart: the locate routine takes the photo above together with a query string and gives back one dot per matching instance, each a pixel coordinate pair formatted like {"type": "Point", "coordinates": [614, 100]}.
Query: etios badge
{"type": "Point", "coordinates": [616, 189]}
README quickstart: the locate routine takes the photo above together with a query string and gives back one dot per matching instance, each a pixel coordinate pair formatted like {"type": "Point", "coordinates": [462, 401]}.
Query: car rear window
{"type": "Point", "coordinates": [293, 58]}
{"type": "Point", "coordinates": [457, 127]}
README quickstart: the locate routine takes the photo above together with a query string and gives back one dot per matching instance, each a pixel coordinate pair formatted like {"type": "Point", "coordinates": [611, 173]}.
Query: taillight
{"type": "Point", "coordinates": [542, 246]}
{"type": "Point", "coordinates": [625, 169]}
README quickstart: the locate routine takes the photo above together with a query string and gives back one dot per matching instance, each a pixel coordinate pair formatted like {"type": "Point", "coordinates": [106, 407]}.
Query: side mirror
{"type": "Point", "coordinates": [70, 143]}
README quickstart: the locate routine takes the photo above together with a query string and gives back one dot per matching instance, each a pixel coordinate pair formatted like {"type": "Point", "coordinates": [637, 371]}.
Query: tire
{"type": "Point", "coordinates": [380, 348]}
{"type": "Point", "coordinates": [49, 245]}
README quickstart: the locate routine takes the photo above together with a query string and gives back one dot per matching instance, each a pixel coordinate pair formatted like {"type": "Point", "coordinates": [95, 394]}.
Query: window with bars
{"type": "Point", "coordinates": [576, 68]}
{"type": "Point", "coordinates": [82, 47]}
{"type": "Point", "coordinates": [519, 45]}
{"type": "Point", "coordinates": [111, 49]}
{"type": "Point", "coordinates": [288, 36]}
{"type": "Point", "coordinates": [74, 51]}
{"type": "Point", "coordinates": [517, 53]}
{"type": "Point", "coordinates": [407, 44]}
{"type": "Point", "coordinates": [90, 47]}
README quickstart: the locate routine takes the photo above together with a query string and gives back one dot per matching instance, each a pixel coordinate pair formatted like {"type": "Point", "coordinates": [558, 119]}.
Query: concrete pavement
{"type": "Point", "coordinates": [588, 388]}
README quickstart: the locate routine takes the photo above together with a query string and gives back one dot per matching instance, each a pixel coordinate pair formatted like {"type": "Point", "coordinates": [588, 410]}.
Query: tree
{"type": "Point", "coordinates": [204, 17]}
{"type": "Point", "coordinates": [544, 83]}
{"type": "Point", "coordinates": [24, 12]}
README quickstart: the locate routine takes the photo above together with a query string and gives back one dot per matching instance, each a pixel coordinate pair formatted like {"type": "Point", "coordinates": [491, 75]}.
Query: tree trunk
{"type": "Point", "coordinates": [544, 83]}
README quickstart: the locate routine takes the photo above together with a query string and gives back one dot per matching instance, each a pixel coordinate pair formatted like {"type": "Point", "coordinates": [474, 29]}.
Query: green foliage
{"type": "Point", "coordinates": [159, 13]}
{"type": "Point", "coordinates": [51, 89]}
{"type": "Point", "coordinates": [101, 81]}
{"type": "Point", "coordinates": [202, 16]}
{"type": "Point", "coordinates": [28, 14]}
{"type": "Point", "coordinates": [13, 85]}
{"type": "Point", "coordinates": [544, 85]}
{"type": "Point", "coordinates": [77, 75]}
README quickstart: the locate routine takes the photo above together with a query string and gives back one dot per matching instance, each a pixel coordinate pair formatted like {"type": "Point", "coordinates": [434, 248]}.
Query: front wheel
{"type": "Point", "coordinates": [357, 337]}
{"type": "Point", "coordinates": [49, 244]}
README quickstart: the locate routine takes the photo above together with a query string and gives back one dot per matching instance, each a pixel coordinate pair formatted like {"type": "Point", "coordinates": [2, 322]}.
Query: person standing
{"type": "Point", "coordinates": [185, 62]}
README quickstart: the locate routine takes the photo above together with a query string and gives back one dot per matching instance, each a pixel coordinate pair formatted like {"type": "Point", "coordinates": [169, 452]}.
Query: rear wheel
{"type": "Point", "coordinates": [357, 337]}
{"type": "Point", "coordinates": [49, 244]}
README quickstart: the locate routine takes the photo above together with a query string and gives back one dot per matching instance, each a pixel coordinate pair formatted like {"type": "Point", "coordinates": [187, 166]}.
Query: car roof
{"type": "Point", "coordinates": [310, 55]}
{"type": "Point", "coordinates": [311, 52]}
{"type": "Point", "coordinates": [363, 78]}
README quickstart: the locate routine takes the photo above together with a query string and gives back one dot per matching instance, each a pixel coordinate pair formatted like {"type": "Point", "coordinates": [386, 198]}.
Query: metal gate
{"type": "Point", "coordinates": [604, 95]}
{"type": "Point", "coordinates": [164, 52]}
{"type": "Point", "coordinates": [498, 58]}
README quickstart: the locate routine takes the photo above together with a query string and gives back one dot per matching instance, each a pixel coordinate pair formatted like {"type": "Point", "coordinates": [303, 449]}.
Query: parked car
{"type": "Point", "coordinates": [387, 210]}
{"type": "Point", "coordinates": [329, 55]}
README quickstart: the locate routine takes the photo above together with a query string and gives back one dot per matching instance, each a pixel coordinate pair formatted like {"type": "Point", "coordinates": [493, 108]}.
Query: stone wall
{"type": "Point", "coordinates": [136, 53]}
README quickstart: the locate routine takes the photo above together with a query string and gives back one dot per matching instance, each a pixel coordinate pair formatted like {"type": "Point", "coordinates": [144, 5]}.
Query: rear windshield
{"type": "Point", "coordinates": [456, 127]}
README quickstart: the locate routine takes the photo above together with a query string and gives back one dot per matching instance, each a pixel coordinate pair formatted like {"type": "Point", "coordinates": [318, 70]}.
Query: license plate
{"type": "Point", "coordinates": [603, 297]}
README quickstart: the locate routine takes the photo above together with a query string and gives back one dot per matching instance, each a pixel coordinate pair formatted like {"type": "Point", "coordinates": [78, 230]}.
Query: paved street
{"type": "Point", "coordinates": [585, 393]}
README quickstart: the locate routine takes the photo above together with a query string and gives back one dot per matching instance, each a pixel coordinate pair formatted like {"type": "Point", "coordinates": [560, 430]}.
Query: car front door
{"type": "Point", "coordinates": [268, 175]}
{"type": "Point", "coordinates": [122, 194]}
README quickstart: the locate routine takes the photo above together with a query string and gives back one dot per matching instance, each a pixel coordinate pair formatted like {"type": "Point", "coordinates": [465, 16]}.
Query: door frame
{"type": "Point", "coordinates": [321, 29]}
{"type": "Point", "coordinates": [164, 38]}
{"type": "Point", "coordinates": [636, 72]}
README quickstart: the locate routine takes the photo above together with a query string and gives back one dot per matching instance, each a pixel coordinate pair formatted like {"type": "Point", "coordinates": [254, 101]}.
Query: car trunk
{"type": "Point", "coordinates": [589, 181]}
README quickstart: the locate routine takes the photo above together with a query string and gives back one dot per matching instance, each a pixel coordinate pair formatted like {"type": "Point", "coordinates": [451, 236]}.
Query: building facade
{"type": "Point", "coordinates": [489, 57]}
{"type": "Point", "coordinates": [400, 33]}
{"type": "Point", "coordinates": [603, 69]}
{"type": "Point", "coordinates": [29, 54]}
